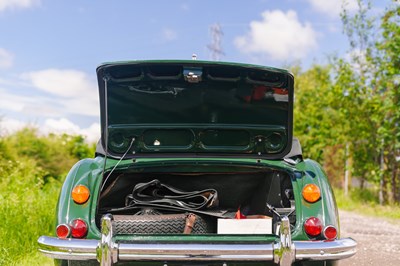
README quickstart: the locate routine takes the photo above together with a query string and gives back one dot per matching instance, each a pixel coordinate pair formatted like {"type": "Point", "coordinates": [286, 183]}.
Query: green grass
{"type": "Point", "coordinates": [27, 210]}
{"type": "Point", "coordinates": [31, 166]}
{"type": "Point", "coordinates": [366, 202]}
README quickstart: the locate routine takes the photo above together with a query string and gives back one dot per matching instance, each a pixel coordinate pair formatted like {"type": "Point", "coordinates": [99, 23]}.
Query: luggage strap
{"type": "Point", "coordinates": [157, 195]}
{"type": "Point", "coordinates": [154, 192]}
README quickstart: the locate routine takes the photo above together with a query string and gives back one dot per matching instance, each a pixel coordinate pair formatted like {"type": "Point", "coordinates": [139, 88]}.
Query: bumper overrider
{"type": "Point", "coordinates": [107, 252]}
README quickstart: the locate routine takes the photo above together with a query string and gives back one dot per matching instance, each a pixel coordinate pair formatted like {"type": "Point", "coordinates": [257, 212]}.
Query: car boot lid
{"type": "Point", "coordinates": [195, 108]}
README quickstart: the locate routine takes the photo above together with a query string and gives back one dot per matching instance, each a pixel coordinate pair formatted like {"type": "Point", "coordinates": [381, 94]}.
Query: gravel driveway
{"type": "Point", "coordinates": [378, 239]}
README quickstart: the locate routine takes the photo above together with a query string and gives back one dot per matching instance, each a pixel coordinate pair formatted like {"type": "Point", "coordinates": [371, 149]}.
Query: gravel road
{"type": "Point", "coordinates": [378, 239]}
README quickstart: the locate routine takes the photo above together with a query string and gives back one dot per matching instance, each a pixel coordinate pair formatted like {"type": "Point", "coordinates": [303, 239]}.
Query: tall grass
{"type": "Point", "coordinates": [366, 201]}
{"type": "Point", "coordinates": [27, 210]}
{"type": "Point", "coordinates": [31, 167]}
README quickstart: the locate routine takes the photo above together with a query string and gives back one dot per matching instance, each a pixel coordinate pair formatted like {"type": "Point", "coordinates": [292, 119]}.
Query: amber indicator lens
{"type": "Point", "coordinates": [80, 194]}
{"type": "Point", "coordinates": [62, 231]}
{"type": "Point", "coordinates": [330, 232]}
{"type": "Point", "coordinates": [313, 226]}
{"type": "Point", "coordinates": [311, 193]}
{"type": "Point", "coordinates": [78, 228]}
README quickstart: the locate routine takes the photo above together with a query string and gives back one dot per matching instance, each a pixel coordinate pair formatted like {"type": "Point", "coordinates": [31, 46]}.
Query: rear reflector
{"type": "Point", "coordinates": [63, 231]}
{"type": "Point", "coordinates": [330, 232]}
{"type": "Point", "coordinates": [78, 228]}
{"type": "Point", "coordinates": [313, 226]}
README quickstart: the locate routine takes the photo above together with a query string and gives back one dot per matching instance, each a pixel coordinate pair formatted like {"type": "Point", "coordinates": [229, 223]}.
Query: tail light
{"type": "Point", "coordinates": [330, 232]}
{"type": "Point", "coordinates": [311, 193]}
{"type": "Point", "coordinates": [313, 226]}
{"type": "Point", "coordinates": [63, 231]}
{"type": "Point", "coordinates": [80, 194]}
{"type": "Point", "coordinates": [78, 228]}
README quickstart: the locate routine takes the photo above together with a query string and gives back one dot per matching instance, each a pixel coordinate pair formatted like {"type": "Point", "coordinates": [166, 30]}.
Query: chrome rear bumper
{"type": "Point", "coordinates": [107, 252]}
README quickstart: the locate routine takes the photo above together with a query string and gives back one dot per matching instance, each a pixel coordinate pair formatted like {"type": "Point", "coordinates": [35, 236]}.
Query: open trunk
{"type": "Point", "coordinates": [241, 193]}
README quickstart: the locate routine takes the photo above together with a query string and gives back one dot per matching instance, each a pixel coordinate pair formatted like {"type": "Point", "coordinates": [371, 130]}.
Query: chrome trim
{"type": "Point", "coordinates": [85, 249]}
{"type": "Point", "coordinates": [68, 249]}
{"type": "Point", "coordinates": [284, 251]}
{"type": "Point", "coordinates": [196, 252]}
{"type": "Point", "coordinates": [325, 250]}
{"type": "Point", "coordinates": [107, 251]}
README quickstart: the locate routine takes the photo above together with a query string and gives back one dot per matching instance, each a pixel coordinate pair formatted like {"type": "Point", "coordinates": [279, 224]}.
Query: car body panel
{"type": "Point", "coordinates": [199, 148]}
{"type": "Point", "coordinates": [86, 171]}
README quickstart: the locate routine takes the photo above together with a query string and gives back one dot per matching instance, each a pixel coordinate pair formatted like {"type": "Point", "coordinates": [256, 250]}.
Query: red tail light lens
{"type": "Point", "coordinates": [63, 231]}
{"type": "Point", "coordinates": [330, 232]}
{"type": "Point", "coordinates": [78, 228]}
{"type": "Point", "coordinates": [313, 226]}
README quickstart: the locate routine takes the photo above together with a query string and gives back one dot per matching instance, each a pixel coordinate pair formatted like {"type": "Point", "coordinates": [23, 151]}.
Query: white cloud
{"type": "Point", "coordinates": [48, 96]}
{"type": "Point", "coordinates": [279, 36]}
{"type": "Point", "coordinates": [92, 133]}
{"type": "Point", "coordinates": [57, 126]}
{"type": "Point", "coordinates": [6, 58]}
{"type": "Point", "coordinates": [19, 103]}
{"type": "Point", "coordinates": [333, 7]}
{"type": "Point", "coordinates": [63, 125]}
{"type": "Point", "coordinates": [65, 83]}
{"type": "Point", "coordinates": [14, 4]}
{"type": "Point", "coordinates": [169, 34]}
{"type": "Point", "coordinates": [82, 106]}
{"type": "Point", "coordinates": [75, 92]}
{"type": "Point", "coordinates": [8, 125]}
{"type": "Point", "coordinates": [12, 102]}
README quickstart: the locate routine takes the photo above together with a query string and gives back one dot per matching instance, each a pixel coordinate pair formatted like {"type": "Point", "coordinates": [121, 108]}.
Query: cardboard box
{"type": "Point", "coordinates": [245, 226]}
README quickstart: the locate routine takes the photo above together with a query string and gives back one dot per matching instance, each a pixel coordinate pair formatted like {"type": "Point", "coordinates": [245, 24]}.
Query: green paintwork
{"type": "Point", "coordinates": [88, 172]}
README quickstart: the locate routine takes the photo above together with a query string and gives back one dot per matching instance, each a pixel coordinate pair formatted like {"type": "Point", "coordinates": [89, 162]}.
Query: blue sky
{"type": "Point", "coordinates": [49, 49]}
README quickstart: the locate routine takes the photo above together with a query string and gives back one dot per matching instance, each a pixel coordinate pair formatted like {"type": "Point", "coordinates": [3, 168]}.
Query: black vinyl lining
{"type": "Point", "coordinates": [244, 190]}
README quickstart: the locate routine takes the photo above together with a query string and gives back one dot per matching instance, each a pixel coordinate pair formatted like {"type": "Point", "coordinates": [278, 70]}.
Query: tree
{"type": "Point", "coordinates": [387, 83]}
{"type": "Point", "coordinates": [316, 122]}
{"type": "Point", "coordinates": [368, 81]}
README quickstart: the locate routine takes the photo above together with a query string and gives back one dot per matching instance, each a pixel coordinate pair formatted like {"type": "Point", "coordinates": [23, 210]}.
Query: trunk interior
{"type": "Point", "coordinates": [244, 193]}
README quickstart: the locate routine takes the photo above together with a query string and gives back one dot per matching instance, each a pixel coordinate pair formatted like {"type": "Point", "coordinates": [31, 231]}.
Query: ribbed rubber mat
{"type": "Point", "coordinates": [157, 224]}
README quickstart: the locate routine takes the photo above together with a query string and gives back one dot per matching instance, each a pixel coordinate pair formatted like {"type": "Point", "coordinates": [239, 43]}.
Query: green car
{"type": "Point", "coordinates": [196, 165]}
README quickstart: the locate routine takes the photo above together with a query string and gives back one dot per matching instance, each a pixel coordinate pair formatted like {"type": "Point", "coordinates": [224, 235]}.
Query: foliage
{"type": "Point", "coordinates": [374, 92]}
{"type": "Point", "coordinates": [31, 170]}
{"type": "Point", "coordinates": [387, 82]}
{"type": "Point", "coordinates": [366, 201]}
{"type": "Point", "coordinates": [26, 209]}
{"type": "Point", "coordinates": [313, 114]}
{"type": "Point", "coordinates": [54, 154]}
{"type": "Point", "coordinates": [350, 110]}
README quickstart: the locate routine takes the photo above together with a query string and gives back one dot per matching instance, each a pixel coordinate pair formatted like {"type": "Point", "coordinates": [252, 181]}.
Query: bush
{"type": "Point", "coordinates": [32, 168]}
{"type": "Point", "coordinates": [55, 154]}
